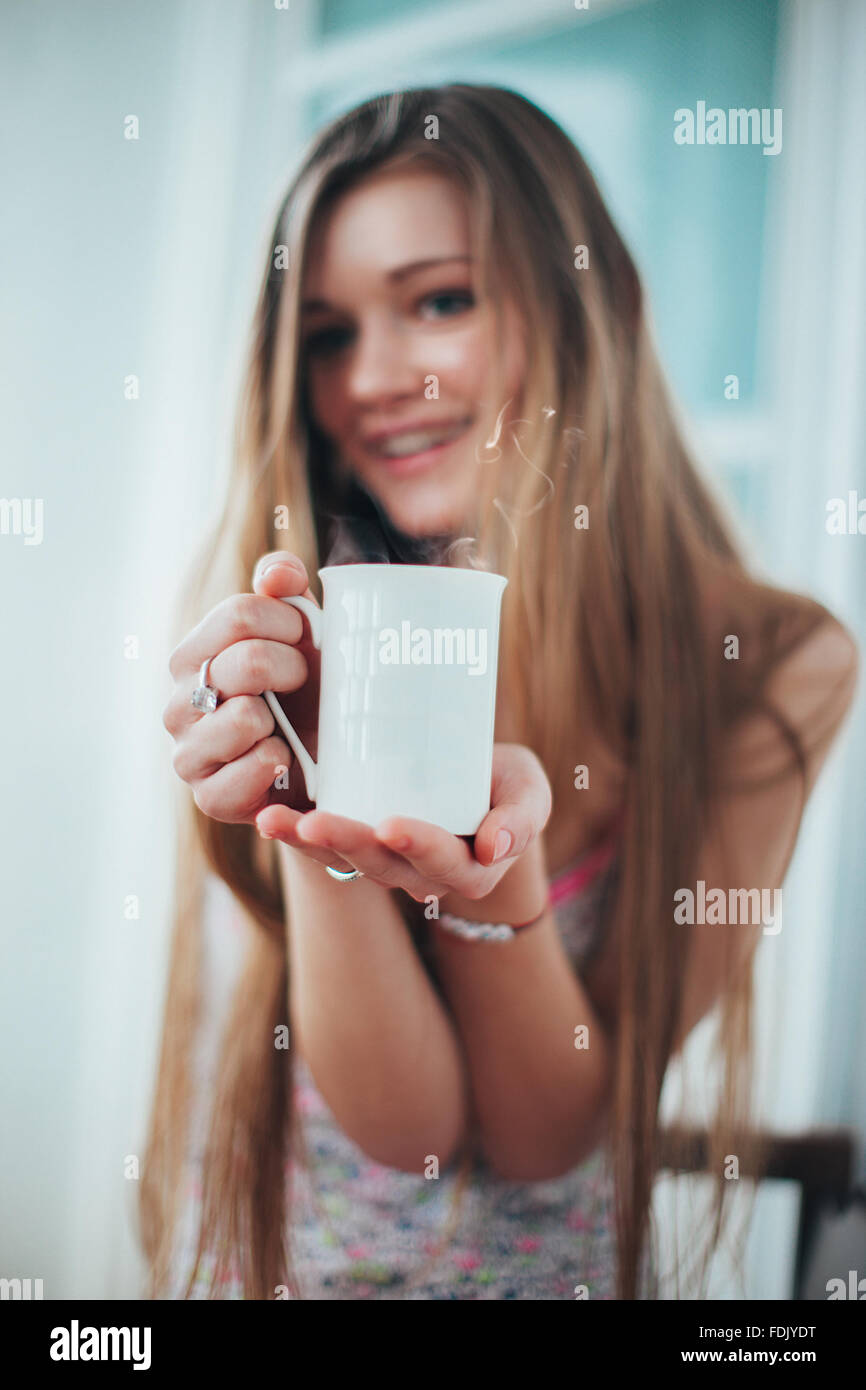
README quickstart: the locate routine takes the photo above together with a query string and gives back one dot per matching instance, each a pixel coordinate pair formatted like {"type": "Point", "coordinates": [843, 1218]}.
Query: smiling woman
{"type": "Point", "coordinates": [399, 340]}
{"type": "Point", "coordinates": [430, 355]}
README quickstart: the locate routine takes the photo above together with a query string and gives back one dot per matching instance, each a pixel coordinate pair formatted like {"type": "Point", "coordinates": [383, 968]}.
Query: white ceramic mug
{"type": "Point", "coordinates": [407, 696]}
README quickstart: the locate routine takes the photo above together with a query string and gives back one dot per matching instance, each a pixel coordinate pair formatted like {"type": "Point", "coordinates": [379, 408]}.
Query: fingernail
{"type": "Point", "coordinates": [502, 844]}
{"type": "Point", "coordinates": [275, 564]}
{"type": "Point", "coordinates": [265, 836]}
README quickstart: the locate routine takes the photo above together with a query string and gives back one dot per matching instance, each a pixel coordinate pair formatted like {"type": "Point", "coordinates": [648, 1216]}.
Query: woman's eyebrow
{"type": "Point", "coordinates": [315, 306]}
{"type": "Point", "coordinates": [400, 272]}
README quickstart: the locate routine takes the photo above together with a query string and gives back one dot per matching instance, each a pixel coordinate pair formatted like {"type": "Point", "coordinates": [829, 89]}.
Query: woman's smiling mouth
{"type": "Point", "coordinates": [417, 446]}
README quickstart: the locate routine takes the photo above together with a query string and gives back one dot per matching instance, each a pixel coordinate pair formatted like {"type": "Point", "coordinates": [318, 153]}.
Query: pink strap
{"type": "Point", "coordinates": [567, 885]}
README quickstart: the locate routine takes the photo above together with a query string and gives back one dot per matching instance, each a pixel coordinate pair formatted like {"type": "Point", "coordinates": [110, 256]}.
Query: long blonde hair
{"type": "Point", "coordinates": [625, 618]}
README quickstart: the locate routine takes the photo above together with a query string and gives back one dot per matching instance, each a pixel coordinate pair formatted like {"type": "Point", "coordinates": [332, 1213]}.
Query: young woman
{"type": "Point", "coordinates": [452, 364]}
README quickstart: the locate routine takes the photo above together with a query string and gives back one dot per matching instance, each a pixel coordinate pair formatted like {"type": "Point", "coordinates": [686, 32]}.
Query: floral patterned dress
{"type": "Point", "coordinates": [361, 1230]}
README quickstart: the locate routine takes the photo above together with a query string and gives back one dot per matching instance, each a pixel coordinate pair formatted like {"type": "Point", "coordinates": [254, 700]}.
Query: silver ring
{"type": "Point", "coordinates": [340, 876]}
{"type": "Point", "coordinates": [204, 697]}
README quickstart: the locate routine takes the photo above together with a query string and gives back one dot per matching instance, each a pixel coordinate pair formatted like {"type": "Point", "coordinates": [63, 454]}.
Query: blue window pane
{"type": "Point", "coordinates": [693, 216]}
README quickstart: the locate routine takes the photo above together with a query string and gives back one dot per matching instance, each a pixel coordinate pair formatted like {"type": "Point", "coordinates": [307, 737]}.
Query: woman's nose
{"type": "Point", "coordinates": [381, 363]}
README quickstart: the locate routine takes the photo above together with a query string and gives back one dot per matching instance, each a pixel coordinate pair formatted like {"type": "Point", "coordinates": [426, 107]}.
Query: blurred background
{"type": "Point", "coordinates": [129, 268]}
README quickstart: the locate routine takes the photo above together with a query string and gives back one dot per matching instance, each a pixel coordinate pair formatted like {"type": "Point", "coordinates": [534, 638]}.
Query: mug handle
{"type": "Point", "coordinates": [308, 767]}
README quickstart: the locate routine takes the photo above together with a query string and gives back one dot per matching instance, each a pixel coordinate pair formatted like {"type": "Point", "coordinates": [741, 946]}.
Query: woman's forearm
{"type": "Point", "coordinates": [541, 1101]}
{"type": "Point", "coordinates": [380, 1046]}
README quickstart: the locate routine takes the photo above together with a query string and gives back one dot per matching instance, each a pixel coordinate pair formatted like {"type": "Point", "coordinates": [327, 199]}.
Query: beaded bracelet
{"type": "Point", "coordinates": [484, 931]}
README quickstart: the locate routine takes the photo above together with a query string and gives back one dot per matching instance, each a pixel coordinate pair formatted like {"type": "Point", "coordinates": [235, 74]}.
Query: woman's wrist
{"type": "Point", "coordinates": [521, 895]}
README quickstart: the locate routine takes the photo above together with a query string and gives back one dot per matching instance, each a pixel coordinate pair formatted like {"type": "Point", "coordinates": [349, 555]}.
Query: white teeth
{"type": "Point", "coordinates": [400, 444]}
{"type": "Point", "coordinates": [408, 444]}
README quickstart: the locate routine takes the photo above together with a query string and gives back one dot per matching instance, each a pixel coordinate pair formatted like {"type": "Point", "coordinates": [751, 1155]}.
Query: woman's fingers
{"type": "Point", "coordinates": [245, 668]}
{"type": "Point", "coordinates": [231, 730]}
{"type": "Point", "coordinates": [242, 616]}
{"type": "Point", "coordinates": [231, 756]}
{"type": "Point", "coordinates": [423, 858]}
{"type": "Point", "coordinates": [357, 843]}
{"type": "Point", "coordinates": [520, 804]}
{"type": "Point", "coordinates": [276, 574]}
{"type": "Point", "coordinates": [280, 823]}
{"type": "Point", "coordinates": [437, 855]}
{"type": "Point", "coordinates": [250, 668]}
{"type": "Point", "coordinates": [235, 792]}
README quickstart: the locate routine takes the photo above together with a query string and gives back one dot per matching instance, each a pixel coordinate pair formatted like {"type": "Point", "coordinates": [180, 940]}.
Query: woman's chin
{"type": "Point", "coordinates": [421, 516]}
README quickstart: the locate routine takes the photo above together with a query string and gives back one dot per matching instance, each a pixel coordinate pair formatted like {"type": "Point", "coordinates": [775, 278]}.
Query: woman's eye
{"type": "Point", "coordinates": [327, 341]}
{"type": "Point", "coordinates": [446, 303]}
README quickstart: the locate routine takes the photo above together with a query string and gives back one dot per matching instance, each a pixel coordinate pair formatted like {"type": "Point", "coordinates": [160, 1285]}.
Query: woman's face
{"type": "Point", "coordinates": [398, 349]}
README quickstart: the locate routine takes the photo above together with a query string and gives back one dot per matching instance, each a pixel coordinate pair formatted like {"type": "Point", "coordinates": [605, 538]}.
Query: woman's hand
{"type": "Point", "coordinates": [230, 756]}
{"type": "Point", "coordinates": [421, 858]}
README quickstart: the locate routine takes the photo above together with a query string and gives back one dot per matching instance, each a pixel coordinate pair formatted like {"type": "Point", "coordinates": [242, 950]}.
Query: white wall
{"type": "Point", "coordinates": [118, 257]}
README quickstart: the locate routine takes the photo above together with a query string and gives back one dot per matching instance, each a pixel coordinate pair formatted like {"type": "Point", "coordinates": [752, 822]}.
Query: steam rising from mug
{"type": "Point", "coordinates": [363, 533]}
